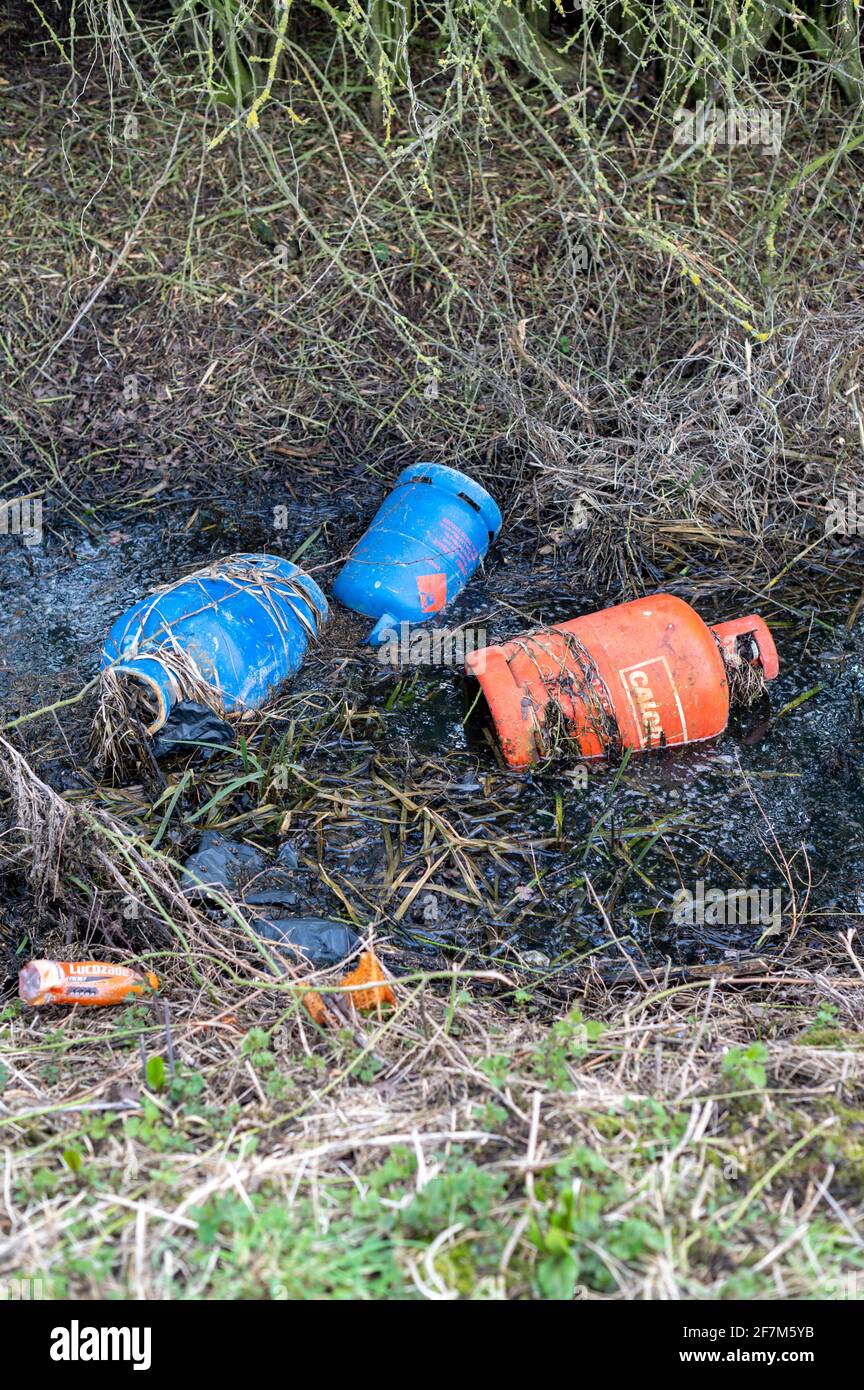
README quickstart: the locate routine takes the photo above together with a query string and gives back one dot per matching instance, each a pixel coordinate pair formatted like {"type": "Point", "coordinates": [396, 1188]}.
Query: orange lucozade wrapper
{"type": "Point", "coordinates": [367, 972]}
{"type": "Point", "coordinates": [81, 982]}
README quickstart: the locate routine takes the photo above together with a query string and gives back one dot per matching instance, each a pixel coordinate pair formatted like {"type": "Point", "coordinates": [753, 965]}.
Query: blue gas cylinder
{"type": "Point", "coordinates": [225, 636]}
{"type": "Point", "coordinates": [423, 545]}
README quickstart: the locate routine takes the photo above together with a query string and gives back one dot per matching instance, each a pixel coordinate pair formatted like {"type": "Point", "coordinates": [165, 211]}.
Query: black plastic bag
{"type": "Point", "coordinates": [189, 723]}
{"type": "Point", "coordinates": [220, 863]}
{"type": "Point", "coordinates": [320, 940]}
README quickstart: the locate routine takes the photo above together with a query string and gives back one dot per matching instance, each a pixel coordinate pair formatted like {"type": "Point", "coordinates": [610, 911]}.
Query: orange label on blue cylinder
{"type": "Point", "coordinates": [432, 589]}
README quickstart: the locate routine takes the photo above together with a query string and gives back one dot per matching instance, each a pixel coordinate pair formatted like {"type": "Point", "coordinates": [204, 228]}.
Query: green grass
{"type": "Point", "coordinates": [535, 1173]}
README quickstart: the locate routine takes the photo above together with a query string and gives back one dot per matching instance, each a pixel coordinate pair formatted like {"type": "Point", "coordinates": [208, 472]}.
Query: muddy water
{"type": "Point", "coordinates": [721, 814]}
{"type": "Point", "coordinates": [725, 813]}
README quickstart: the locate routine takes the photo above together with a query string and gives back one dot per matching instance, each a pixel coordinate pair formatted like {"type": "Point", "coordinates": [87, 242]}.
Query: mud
{"type": "Point", "coordinates": [728, 813]}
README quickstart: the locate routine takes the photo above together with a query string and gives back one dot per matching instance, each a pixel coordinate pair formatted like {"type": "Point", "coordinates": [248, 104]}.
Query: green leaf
{"type": "Point", "coordinates": [155, 1073]}
{"type": "Point", "coordinates": [745, 1066]}
{"type": "Point", "coordinates": [557, 1276]}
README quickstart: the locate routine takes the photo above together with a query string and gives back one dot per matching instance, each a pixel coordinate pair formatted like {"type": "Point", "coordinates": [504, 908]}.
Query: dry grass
{"type": "Point", "coordinates": [551, 296]}
{"type": "Point", "coordinates": [462, 1133]}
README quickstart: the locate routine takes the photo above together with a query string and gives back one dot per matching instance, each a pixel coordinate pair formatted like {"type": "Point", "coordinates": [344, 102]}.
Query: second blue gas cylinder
{"type": "Point", "coordinates": [421, 548]}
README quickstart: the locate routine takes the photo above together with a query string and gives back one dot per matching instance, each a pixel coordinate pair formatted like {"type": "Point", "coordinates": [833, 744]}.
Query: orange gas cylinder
{"type": "Point", "coordinates": [647, 674]}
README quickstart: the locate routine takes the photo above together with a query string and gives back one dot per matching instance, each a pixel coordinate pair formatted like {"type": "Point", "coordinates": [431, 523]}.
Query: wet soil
{"type": "Point", "coordinates": [727, 813]}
